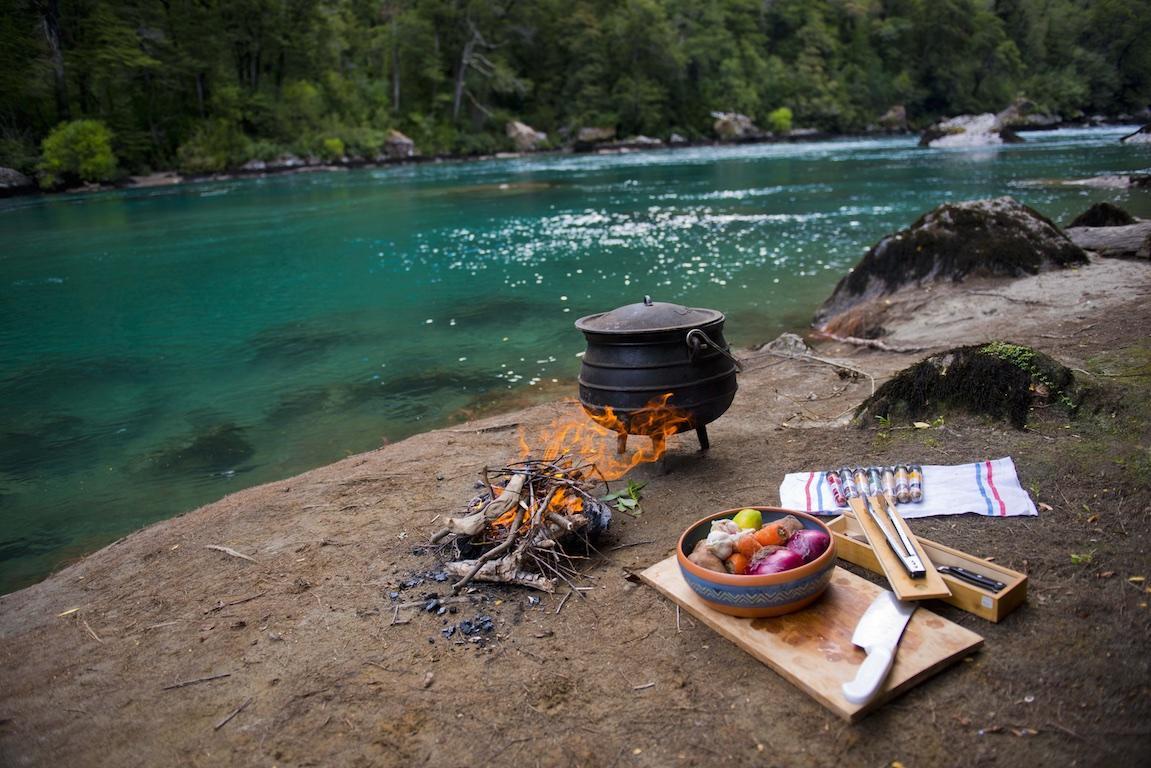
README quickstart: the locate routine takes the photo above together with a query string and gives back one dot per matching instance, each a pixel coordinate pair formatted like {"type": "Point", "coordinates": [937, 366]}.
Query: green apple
{"type": "Point", "coordinates": [748, 518]}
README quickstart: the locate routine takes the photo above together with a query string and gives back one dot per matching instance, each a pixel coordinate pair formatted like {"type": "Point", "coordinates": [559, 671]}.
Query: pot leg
{"type": "Point", "coordinates": [621, 443]}
{"type": "Point", "coordinates": [701, 433]}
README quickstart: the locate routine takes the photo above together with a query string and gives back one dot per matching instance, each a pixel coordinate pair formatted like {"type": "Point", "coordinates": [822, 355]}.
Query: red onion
{"type": "Point", "coordinates": [779, 560]}
{"type": "Point", "coordinates": [808, 543]}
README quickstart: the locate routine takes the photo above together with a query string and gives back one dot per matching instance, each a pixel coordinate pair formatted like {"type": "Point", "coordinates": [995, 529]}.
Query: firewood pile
{"type": "Point", "coordinates": [530, 524]}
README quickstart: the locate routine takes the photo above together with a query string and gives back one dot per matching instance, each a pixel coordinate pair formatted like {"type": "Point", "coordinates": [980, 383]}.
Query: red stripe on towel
{"type": "Point", "coordinates": [995, 491]}
{"type": "Point", "coordinates": [807, 489]}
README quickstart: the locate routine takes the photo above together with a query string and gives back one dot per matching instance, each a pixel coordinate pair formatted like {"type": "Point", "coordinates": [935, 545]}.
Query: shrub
{"type": "Point", "coordinates": [779, 121]}
{"type": "Point", "coordinates": [262, 149]}
{"type": "Point", "coordinates": [214, 146]}
{"type": "Point", "coordinates": [332, 150]}
{"type": "Point", "coordinates": [363, 142]}
{"type": "Point", "coordinates": [80, 150]}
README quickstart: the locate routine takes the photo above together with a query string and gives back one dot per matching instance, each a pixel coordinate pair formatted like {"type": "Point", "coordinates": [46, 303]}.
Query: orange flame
{"type": "Point", "coordinates": [596, 440]}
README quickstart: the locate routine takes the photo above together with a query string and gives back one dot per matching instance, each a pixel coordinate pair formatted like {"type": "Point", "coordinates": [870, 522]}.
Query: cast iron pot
{"type": "Point", "coordinates": [637, 353]}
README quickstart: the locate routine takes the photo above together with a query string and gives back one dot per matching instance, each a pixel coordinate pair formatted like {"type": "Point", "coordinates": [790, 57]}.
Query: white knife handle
{"type": "Point", "coordinates": [870, 676]}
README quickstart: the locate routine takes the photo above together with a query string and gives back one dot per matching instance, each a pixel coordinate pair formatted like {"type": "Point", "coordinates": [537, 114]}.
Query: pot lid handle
{"type": "Point", "coordinates": [647, 300]}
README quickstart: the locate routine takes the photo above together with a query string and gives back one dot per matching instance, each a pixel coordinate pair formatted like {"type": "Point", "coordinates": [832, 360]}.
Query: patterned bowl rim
{"type": "Point", "coordinates": [767, 580]}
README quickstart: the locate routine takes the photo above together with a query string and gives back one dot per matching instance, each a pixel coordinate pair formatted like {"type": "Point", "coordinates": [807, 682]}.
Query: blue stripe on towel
{"type": "Point", "coordinates": [982, 489]}
{"type": "Point", "coordinates": [819, 491]}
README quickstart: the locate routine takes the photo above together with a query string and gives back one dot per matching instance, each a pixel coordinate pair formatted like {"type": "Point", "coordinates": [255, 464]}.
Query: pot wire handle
{"type": "Point", "coordinates": [694, 342]}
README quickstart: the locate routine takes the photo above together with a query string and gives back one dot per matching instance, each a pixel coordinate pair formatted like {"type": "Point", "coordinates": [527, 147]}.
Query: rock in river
{"type": "Point", "coordinates": [981, 238]}
{"type": "Point", "coordinates": [968, 131]}
{"type": "Point", "coordinates": [1141, 136]}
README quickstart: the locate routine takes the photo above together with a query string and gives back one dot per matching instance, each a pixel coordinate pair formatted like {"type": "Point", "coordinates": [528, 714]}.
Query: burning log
{"type": "Point", "coordinates": [520, 529]}
{"type": "Point", "coordinates": [524, 522]}
{"type": "Point", "coordinates": [474, 524]}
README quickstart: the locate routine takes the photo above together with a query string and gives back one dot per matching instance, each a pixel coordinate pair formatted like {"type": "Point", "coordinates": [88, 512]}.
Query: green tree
{"type": "Point", "coordinates": [79, 150]}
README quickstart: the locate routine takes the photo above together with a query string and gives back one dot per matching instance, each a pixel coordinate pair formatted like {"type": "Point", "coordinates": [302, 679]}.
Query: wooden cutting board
{"type": "Point", "coordinates": [812, 648]}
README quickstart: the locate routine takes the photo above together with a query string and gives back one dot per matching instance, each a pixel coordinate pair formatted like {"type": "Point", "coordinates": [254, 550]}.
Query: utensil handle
{"type": "Point", "coordinates": [872, 672]}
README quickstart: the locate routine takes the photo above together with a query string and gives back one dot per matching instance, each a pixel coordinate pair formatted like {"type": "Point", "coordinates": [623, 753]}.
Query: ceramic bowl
{"type": "Point", "coordinates": [773, 594]}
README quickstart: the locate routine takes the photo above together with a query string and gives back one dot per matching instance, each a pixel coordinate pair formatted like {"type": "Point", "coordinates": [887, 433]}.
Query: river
{"type": "Point", "coordinates": [161, 348]}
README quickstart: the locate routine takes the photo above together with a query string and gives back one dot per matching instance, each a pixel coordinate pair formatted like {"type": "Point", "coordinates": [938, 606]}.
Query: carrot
{"type": "Point", "coordinates": [747, 545]}
{"type": "Point", "coordinates": [738, 563]}
{"type": "Point", "coordinates": [772, 533]}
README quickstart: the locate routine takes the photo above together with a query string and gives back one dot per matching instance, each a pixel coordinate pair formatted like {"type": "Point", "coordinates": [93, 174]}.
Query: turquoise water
{"type": "Point", "coordinates": [162, 348]}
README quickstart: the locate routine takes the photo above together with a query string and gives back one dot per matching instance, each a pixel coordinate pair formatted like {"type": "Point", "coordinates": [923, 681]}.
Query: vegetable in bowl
{"type": "Point", "coordinates": [752, 578]}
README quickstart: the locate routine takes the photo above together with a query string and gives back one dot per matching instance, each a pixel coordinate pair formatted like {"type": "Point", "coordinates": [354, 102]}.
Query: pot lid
{"type": "Point", "coordinates": [649, 316]}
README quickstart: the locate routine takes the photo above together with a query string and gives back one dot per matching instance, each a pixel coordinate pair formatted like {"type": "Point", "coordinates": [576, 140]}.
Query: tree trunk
{"type": "Point", "coordinates": [50, 21]}
{"type": "Point", "coordinates": [395, 68]}
{"type": "Point", "coordinates": [201, 88]}
{"type": "Point", "coordinates": [461, 73]}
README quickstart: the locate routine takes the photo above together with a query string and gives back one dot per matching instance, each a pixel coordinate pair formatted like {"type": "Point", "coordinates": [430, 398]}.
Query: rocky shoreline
{"type": "Point", "coordinates": [267, 627]}
{"type": "Point", "coordinates": [730, 129]}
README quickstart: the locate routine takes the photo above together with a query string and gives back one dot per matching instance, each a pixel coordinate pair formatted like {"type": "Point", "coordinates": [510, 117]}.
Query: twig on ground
{"type": "Point", "coordinates": [1065, 729]}
{"type": "Point", "coordinates": [1029, 302]}
{"type": "Point", "coordinates": [91, 631]}
{"type": "Point", "coordinates": [230, 551]}
{"type": "Point", "coordinates": [643, 687]}
{"type": "Point", "coordinates": [186, 683]}
{"type": "Point", "coordinates": [232, 714]}
{"type": "Point", "coordinates": [632, 544]}
{"type": "Point", "coordinates": [870, 343]}
{"type": "Point", "coordinates": [396, 618]}
{"type": "Point", "coordinates": [162, 624]}
{"type": "Point", "coordinates": [825, 361]}
{"type": "Point", "coordinates": [560, 607]}
{"type": "Point", "coordinates": [222, 605]}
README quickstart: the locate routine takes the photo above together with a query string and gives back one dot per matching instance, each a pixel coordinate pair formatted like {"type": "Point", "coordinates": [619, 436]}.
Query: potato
{"type": "Point", "coordinates": [703, 557]}
{"type": "Point", "coordinates": [791, 523]}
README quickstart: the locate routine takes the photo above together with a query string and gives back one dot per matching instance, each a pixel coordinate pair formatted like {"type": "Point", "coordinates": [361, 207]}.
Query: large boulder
{"type": "Point", "coordinates": [398, 146]}
{"type": "Point", "coordinates": [526, 138]}
{"type": "Point", "coordinates": [980, 238]}
{"type": "Point", "coordinates": [1103, 215]}
{"type": "Point", "coordinates": [1002, 380]}
{"type": "Point", "coordinates": [12, 182]}
{"type": "Point", "coordinates": [968, 131]}
{"type": "Point", "coordinates": [732, 126]}
{"type": "Point", "coordinates": [589, 137]}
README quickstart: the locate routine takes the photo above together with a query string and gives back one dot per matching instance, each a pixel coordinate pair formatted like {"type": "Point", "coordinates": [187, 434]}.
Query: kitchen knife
{"type": "Point", "coordinates": [878, 633]}
{"type": "Point", "coordinates": [971, 577]}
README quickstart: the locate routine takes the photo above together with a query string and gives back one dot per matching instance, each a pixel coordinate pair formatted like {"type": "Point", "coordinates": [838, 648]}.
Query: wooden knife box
{"type": "Point", "coordinates": [852, 547]}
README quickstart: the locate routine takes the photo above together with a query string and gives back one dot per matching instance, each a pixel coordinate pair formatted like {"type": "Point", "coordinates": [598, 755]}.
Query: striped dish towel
{"type": "Point", "coordinates": [989, 488]}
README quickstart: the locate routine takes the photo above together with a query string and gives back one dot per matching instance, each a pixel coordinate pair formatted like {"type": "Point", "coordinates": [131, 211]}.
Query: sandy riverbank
{"type": "Point", "coordinates": [302, 638]}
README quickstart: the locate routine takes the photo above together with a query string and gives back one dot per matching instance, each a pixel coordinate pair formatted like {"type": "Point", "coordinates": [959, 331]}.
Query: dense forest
{"type": "Point", "coordinates": [206, 84]}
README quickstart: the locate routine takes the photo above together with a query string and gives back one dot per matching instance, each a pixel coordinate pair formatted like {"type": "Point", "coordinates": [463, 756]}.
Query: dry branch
{"type": "Point", "coordinates": [232, 714]}
{"type": "Point", "coordinates": [230, 551]}
{"type": "Point", "coordinates": [515, 534]}
{"type": "Point", "coordinates": [186, 683]}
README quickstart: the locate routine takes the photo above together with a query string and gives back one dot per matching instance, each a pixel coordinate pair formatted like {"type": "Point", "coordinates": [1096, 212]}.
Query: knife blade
{"type": "Point", "coordinates": [878, 633]}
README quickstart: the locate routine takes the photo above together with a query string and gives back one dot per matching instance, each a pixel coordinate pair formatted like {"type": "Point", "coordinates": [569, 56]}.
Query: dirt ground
{"type": "Point", "coordinates": [302, 641]}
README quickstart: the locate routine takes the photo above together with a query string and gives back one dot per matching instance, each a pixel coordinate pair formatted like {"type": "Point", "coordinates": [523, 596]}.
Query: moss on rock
{"type": "Point", "coordinates": [1001, 380]}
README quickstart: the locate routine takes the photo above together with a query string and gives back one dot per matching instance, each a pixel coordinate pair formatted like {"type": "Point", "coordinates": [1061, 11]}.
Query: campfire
{"type": "Point", "coordinates": [535, 518]}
